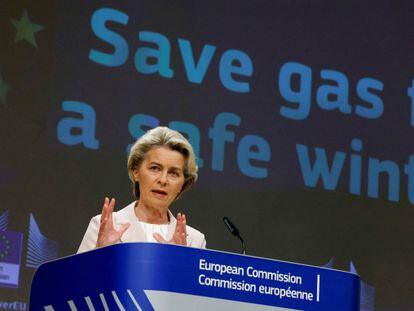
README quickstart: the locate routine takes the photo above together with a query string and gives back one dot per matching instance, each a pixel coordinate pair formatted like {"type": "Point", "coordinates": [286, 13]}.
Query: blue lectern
{"type": "Point", "coordinates": [151, 276]}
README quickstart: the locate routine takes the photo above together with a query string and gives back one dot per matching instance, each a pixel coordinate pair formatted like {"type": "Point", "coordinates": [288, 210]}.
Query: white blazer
{"type": "Point", "coordinates": [135, 233]}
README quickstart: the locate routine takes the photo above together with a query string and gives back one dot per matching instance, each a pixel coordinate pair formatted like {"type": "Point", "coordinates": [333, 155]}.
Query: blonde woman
{"type": "Point", "coordinates": [161, 166]}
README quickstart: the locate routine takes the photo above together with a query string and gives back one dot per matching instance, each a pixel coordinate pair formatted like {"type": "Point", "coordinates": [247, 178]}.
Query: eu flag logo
{"type": "Point", "coordinates": [10, 257]}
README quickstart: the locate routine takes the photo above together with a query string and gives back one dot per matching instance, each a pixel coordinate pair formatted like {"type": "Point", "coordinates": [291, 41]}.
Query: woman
{"type": "Point", "coordinates": [161, 166]}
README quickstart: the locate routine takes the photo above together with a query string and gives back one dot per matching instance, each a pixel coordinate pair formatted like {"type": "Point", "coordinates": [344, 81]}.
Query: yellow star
{"type": "Point", "coordinates": [26, 29]}
{"type": "Point", "coordinates": [4, 88]}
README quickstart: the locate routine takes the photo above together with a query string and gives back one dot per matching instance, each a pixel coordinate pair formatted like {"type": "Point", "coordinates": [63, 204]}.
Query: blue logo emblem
{"type": "Point", "coordinates": [10, 258]}
{"type": "Point", "coordinates": [39, 250]}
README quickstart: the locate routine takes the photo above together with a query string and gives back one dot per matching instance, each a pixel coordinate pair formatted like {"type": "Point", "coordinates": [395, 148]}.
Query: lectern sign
{"type": "Point", "coordinates": [147, 276]}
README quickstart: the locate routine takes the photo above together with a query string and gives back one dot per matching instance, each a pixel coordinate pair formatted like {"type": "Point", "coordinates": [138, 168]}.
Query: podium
{"type": "Point", "coordinates": [152, 276]}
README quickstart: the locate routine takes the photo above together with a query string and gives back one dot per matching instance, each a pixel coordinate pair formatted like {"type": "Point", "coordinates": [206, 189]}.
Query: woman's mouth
{"type": "Point", "coordinates": [159, 193]}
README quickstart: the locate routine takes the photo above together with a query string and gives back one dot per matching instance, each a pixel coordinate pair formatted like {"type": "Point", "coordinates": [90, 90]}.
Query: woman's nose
{"type": "Point", "coordinates": [163, 178]}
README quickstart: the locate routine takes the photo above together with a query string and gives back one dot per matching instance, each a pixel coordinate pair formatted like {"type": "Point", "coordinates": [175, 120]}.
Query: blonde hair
{"type": "Point", "coordinates": [163, 137]}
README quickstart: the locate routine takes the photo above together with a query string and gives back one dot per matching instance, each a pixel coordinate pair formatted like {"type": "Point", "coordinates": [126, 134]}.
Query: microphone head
{"type": "Point", "coordinates": [232, 228]}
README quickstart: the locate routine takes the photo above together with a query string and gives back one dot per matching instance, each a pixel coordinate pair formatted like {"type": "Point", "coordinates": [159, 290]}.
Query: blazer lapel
{"type": "Point", "coordinates": [134, 233]}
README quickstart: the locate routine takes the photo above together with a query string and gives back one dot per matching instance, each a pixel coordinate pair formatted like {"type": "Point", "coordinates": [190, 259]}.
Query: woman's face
{"type": "Point", "coordinates": [160, 177]}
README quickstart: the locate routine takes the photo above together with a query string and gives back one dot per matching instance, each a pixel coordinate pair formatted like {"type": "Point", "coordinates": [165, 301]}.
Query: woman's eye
{"type": "Point", "coordinates": [175, 174]}
{"type": "Point", "coordinates": [154, 168]}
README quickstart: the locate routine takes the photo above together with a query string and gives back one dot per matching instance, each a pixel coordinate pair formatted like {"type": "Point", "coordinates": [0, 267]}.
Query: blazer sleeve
{"type": "Point", "coordinates": [197, 239]}
{"type": "Point", "coordinates": [203, 242]}
{"type": "Point", "coordinates": [89, 239]}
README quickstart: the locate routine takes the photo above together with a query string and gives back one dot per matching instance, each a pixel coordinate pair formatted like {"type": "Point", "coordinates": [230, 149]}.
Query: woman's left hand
{"type": "Point", "coordinates": [180, 234]}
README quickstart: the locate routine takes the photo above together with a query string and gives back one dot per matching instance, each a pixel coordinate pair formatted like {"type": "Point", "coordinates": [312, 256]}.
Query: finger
{"type": "Point", "coordinates": [183, 239]}
{"type": "Point", "coordinates": [159, 238]}
{"type": "Point", "coordinates": [104, 213]}
{"type": "Point", "coordinates": [123, 228]}
{"type": "Point", "coordinates": [184, 222]}
{"type": "Point", "coordinates": [178, 227]}
{"type": "Point", "coordinates": [111, 205]}
{"type": "Point", "coordinates": [100, 241]}
{"type": "Point", "coordinates": [110, 210]}
{"type": "Point", "coordinates": [184, 229]}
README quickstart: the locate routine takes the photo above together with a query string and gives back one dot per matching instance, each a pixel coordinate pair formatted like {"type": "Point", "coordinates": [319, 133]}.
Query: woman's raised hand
{"type": "Point", "coordinates": [180, 234]}
{"type": "Point", "coordinates": [107, 234]}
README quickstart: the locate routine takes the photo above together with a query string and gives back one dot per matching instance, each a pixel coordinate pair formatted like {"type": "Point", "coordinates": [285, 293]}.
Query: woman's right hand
{"type": "Point", "coordinates": [107, 234]}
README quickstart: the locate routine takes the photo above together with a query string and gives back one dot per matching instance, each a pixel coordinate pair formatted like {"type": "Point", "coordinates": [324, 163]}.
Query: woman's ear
{"type": "Point", "coordinates": [135, 173]}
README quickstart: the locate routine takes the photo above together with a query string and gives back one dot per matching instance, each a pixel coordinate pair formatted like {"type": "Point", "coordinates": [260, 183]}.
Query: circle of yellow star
{"type": "Point", "coordinates": [26, 29]}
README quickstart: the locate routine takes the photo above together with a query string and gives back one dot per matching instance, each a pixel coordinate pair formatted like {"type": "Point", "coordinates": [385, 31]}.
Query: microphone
{"type": "Point", "coordinates": [232, 228]}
